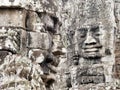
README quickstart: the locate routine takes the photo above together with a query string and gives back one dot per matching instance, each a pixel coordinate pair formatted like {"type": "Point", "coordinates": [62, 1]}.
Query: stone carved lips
{"type": "Point", "coordinates": [9, 40]}
{"type": "Point", "coordinates": [89, 42]}
{"type": "Point", "coordinates": [92, 51]}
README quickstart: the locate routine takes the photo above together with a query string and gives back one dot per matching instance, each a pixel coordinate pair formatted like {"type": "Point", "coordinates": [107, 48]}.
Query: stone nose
{"type": "Point", "coordinates": [90, 40]}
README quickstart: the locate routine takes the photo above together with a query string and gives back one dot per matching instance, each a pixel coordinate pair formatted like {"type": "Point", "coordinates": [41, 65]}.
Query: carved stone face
{"type": "Point", "coordinates": [89, 42]}
{"type": "Point", "coordinates": [9, 40]}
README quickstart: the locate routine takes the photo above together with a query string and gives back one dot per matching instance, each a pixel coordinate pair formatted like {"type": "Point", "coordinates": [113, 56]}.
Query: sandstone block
{"type": "Point", "coordinates": [39, 40]}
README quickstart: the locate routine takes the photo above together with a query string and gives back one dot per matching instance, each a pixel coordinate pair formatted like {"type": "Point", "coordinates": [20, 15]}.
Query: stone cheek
{"type": "Point", "coordinates": [39, 40]}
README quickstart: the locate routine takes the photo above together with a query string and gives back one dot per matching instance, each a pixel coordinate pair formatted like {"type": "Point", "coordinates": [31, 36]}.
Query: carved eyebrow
{"type": "Point", "coordinates": [82, 29]}
{"type": "Point", "coordinates": [95, 28]}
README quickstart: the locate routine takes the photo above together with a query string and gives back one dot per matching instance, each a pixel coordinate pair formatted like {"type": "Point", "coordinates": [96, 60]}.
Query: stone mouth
{"type": "Point", "coordinates": [90, 50]}
{"type": "Point", "coordinates": [92, 53]}
{"type": "Point", "coordinates": [92, 46]}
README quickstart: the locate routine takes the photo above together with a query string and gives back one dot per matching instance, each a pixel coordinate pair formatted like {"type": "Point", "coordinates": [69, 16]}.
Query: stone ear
{"type": "Point", "coordinates": [108, 52]}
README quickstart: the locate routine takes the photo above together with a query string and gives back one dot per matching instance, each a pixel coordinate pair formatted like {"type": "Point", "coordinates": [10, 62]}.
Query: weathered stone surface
{"type": "Point", "coordinates": [37, 54]}
{"type": "Point", "coordinates": [20, 73]}
{"type": "Point", "coordinates": [12, 18]}
{"type": "Point", "coordinates": [26, 40]}
{"type": "Point", "coordinates": [39, 40]}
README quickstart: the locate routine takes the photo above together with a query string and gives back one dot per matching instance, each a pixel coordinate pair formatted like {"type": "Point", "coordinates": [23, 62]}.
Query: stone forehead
{"type": "Point", "coordinates": [90, 25]}
{"type": "Point", "coordinates": [89, 22]}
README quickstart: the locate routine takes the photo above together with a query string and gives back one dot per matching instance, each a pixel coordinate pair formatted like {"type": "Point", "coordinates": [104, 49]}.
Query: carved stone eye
{"type": "Point", "coordinates": [97, 34]}
{"type": "Point", "coordinates": [82, 36]}
{"type": "Point", "coordinates": [82, 32]}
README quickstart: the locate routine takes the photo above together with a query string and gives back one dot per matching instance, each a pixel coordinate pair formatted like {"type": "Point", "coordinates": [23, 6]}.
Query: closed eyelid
{"type": "Point", "coordinates": [83, 30]}
{"type": "Point", "coordinates": [94, 29]}
{"type": "Point", "coordinates": [98, 34]}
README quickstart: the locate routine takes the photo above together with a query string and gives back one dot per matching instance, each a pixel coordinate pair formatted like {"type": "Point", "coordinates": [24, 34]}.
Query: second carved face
{"type": "Point", "coordinates": [89, 42]}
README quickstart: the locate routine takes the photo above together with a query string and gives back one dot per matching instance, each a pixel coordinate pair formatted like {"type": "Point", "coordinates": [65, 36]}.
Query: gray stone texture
{"type": "Point", "coordinates": [59, 44]}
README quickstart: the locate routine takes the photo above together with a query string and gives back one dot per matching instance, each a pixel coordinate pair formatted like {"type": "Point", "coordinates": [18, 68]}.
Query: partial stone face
{"type": "Point", "coordinates": [26, 40]}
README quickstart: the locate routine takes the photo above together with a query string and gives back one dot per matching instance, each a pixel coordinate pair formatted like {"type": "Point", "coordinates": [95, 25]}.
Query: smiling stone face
{"type": "Point", "coordinates": [89, 42]}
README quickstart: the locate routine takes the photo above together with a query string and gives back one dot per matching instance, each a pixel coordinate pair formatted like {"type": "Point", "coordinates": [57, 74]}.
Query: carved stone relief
{"type": "Point", "coordinates": [91, 47]}
{"type": "Point", "coordinates": [26, 42]}
{"type": "Point", "coordinates": [32, 56]}
{"type": "Point", "coordinates": [88, 42]}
